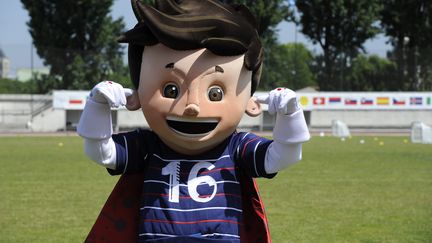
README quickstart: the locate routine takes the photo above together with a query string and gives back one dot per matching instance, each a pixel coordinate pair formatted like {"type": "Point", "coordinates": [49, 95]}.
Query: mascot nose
{"type": "Point", "coordinates": [191, 110]}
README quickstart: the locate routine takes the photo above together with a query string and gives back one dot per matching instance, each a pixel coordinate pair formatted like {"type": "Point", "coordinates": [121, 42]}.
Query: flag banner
{"type": "Point", "coordinates": [366, 101]}
{"type": "Point", "coordinates": [335, 100]}
{"type": "Point", "coordinates": [304, 101]}
{"type": "Point", "coordinates": [416, 101]}
{"type": "Point", "coordinates": [350, 101]}
{"type": "Point", "coordinates": [399, 101]}
{"type": "Point", "coordinates": [319, 101]}
{"type": "Point", "coordinates": [383, 100]}
{"type": "Point", "coordinates": [363, 100]}
{"type": "Point", "coordinates": [76, 100]}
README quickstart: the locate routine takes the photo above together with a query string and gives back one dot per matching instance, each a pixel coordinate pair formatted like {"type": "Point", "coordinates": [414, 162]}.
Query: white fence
{"type": "Point", "coordinates": [366, 100]}
{"type": "Point", "coordinates": [61, 111]}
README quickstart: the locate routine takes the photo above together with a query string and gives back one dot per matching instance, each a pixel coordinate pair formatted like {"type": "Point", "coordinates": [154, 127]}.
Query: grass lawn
{"type": "Point", "coordinates": [340, 192]}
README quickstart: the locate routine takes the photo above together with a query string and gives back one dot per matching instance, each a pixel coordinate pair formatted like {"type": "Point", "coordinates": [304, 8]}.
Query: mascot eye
{"type": "Point", "coordinates": [215, 93]}
{"type": "Point", "coordinates": [170, 91]}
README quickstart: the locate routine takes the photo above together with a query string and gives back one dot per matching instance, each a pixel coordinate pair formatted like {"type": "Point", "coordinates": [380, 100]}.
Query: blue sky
{"type": "Point", "coordinates": [15, 41]}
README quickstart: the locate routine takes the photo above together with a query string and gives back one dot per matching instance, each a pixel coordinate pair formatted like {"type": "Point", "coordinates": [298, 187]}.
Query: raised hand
{"type": "Point", "coordinates": [109, 92]}
{"type": "Point", "coordinates": [281, 101]}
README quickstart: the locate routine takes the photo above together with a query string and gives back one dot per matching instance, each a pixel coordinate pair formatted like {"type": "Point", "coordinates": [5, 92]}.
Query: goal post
{"type": "Point", "coordinates": [340, 129]}
{"type": "Point", "coordinates": [421, 133]}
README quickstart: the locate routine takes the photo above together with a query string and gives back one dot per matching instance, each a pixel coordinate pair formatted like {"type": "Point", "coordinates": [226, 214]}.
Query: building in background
{"type": "Point", "coordinates": [26, 74]}
{"type": "Point", "coordinates": [4, 65]}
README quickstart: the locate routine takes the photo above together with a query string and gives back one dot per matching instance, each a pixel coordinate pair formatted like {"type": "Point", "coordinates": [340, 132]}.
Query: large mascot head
{"type": "Point", "coordinates": [195, 64]}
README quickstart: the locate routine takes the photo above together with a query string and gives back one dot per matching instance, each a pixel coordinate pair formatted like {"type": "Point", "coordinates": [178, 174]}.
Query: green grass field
{"type": "Point", "coordinates": [340, 192]}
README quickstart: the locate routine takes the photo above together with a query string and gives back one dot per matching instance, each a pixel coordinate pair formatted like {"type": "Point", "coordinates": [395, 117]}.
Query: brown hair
{"type": "Point", "coordinates": [225, 30]}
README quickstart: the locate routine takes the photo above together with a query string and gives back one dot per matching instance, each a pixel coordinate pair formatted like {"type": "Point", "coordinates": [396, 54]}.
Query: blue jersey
{"type": "Point", "coordinates": [187, 198]}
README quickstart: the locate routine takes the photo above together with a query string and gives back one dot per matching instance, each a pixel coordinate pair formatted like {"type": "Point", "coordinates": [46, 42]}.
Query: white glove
{"type": "Point", "coordinates": [290, 124]}
{"type": "Point", "coordinates": [95, 121]}
{"type": "Point", "coordinates": [289, 132]}
{"type": "Point", "coordinates": [108, 92]}
{"type": "Point", "coordinates": [281, 101]}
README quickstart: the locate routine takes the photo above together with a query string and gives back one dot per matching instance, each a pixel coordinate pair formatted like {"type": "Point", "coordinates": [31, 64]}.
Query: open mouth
{"type": "Point", "coordinates": [192, 127]}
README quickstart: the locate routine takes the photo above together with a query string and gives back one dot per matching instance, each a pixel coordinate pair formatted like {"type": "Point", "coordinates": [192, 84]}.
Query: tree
{"type": "Point", "coordinates": [372, 73]}
{"type": "Point", "coordinates": [268, 15]}
{"type": "Point", "coordinates": [340, 27]}
{"type": "Point", "coordinates": [77, 40]}
{"type": "Point", "coordinates": [10, 86]}
{"type": "Point", "coordinates": [409, 27]}
{"type": "Point", "coordinates": [292, 62]}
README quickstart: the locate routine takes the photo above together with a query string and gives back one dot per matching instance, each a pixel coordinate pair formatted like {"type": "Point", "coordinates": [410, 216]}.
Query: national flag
{"type": "Point", "coordinates": [383, 100]}
{"type": "Point", "coordinates": [335, 100]}
{"type": "Point", "coordinates": [366, 101]}
{"type": "Point", "coordinates": [398, 101]}
{"type": "Point", "coordinates": [318, 100]}
{"type": "Point", "coordinates": [350, 101]}
{"type": "Point", "coordinates": [75, 102]}
{"type": "Point", "coordinates": [304, 101]}
{"type": "Point", "coordinates": [416, 100]}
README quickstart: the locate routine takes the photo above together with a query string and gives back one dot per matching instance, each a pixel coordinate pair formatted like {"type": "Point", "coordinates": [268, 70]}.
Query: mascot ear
{"type": "Point", "coordinates": [133, 102]}
{"type": "Point", "coordinates": [253, 108]}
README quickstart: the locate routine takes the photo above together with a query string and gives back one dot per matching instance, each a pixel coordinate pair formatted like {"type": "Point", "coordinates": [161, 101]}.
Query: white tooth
{"type": "Point", "coordinates": [186, 119]}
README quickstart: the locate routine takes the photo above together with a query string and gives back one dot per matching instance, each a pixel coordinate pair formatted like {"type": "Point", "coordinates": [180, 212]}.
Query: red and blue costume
{"type": "Point", "coordinates": [140, 207]}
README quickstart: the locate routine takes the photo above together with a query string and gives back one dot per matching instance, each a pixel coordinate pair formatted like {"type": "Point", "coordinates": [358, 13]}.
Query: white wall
{"type": "Point", "coordinates": [127, 120]}
{"type": "Point", "coordinates": [15, 113]}
{"type": "Point", "coordinates": [16, 110]}
{"type": "Point", "coordinates": [376, 118]}
{"type": "Point", "coordinates": [50, 120]}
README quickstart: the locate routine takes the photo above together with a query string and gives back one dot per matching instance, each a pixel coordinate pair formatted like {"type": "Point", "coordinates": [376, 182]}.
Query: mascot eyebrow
{"type": "Point", "coordinates": [170, 65]}
{"type": "Point", "coordinates": [218, 69]}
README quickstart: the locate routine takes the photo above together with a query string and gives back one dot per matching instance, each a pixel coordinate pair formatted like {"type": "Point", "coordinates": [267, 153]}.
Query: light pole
{"type": "Point", "coordinates": [295, 57]}
{"type": "Point", "coordinates": [31, 87]}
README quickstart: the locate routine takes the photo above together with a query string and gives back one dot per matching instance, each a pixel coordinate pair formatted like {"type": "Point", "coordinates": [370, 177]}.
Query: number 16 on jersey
{"type": "Point", "coordinates": [173, 170]}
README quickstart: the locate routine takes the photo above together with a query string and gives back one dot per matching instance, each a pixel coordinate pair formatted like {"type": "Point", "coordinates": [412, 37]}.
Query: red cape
{"type": "Point", "coordinates": [118, 220]}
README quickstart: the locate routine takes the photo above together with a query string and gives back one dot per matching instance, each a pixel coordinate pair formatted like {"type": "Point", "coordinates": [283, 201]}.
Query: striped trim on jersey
{"type": "Point", "coordinates": [250, 153]}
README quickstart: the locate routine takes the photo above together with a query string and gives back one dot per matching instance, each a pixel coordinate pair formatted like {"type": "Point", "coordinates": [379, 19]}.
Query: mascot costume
{"type": "Point", "coordinates": [195, 65]}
